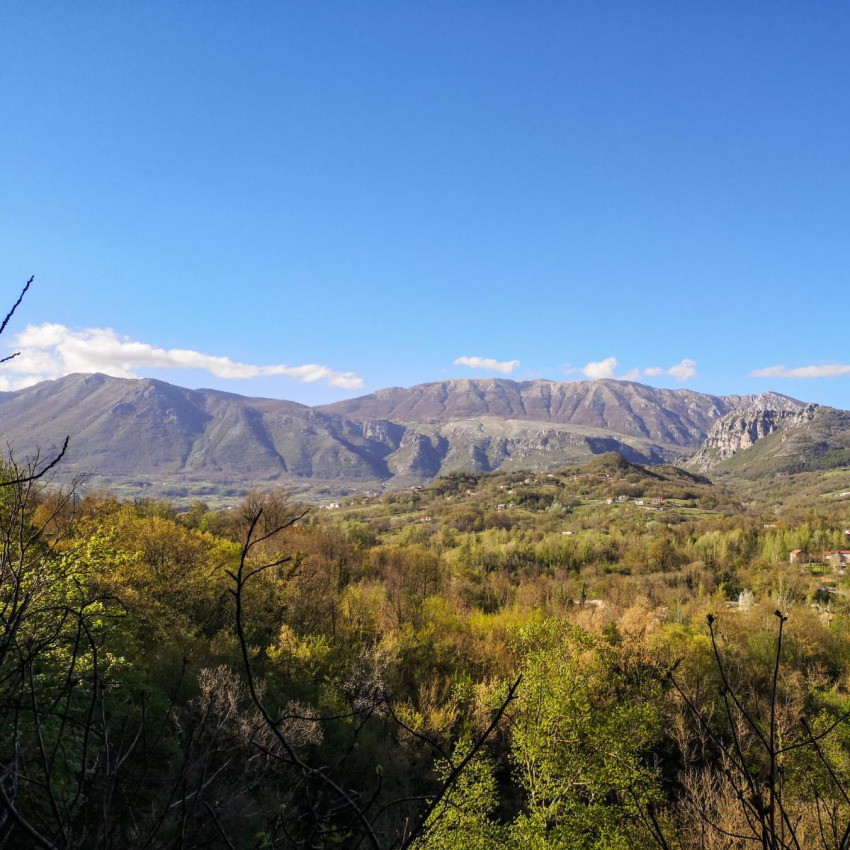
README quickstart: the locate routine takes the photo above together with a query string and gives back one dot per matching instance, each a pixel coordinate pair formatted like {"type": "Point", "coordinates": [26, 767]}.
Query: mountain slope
{"type": "Point", "coordinates": [668, 417]}
{"type": "Point", "coordinates": [142, 429]}
{"type": "Point", "coordinates": [817, 439]}
{"type": "Point", "coordinates": [149, 437]}
{"type": "Point", "coordinates": [741, 429]}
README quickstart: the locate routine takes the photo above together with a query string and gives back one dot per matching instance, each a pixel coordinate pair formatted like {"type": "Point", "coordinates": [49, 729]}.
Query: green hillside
{"type": "Point", "coordinates": [823, 443]}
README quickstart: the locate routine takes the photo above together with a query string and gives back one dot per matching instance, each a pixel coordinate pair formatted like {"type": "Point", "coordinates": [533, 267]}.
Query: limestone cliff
{"type": "Point", "coordinates": [741, 429]}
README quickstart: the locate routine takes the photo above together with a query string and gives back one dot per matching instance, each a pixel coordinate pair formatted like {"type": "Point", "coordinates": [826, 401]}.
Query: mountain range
{"type": "Point", "coordinates": [148, 437]}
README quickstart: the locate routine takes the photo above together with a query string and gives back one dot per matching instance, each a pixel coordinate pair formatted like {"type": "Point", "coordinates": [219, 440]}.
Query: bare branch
{"type": "Point", "coordinates": [16, 305]}
{"type": "Point", "coordinates": [461, 766]}
{"type": "Point", "coordinates": [42, 472]}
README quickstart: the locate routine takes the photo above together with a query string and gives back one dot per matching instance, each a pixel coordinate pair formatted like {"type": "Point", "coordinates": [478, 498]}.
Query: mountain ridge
{"type": "Point", "coordinates": [153, 437]}
{"type": "Point", "coordinates": [540, 400]}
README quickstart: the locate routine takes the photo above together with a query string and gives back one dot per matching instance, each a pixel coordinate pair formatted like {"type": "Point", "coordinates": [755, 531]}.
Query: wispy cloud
{"type": "Point", "coordinates": [51, 351]}
{"type": "Point", "coordinates": [825, 370]}
{"type": "Point", "coordinates": [488, 364]}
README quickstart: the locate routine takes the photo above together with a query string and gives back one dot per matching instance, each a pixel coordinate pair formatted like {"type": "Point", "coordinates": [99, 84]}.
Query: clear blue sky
{"type": "Point", "coordinates": [380, 189]}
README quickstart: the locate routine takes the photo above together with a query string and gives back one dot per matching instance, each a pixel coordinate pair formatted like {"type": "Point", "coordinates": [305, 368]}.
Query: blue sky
{"type": "Point", "coordinates": [312, 201]}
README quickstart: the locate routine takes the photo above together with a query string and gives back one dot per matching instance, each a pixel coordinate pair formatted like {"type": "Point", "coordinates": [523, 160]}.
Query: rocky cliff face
{"type": "Point", "coordinates": [740, 430]}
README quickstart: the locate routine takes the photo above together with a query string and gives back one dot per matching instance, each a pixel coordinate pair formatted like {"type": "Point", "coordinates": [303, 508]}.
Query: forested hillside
{"type": "Point", "coordinates": [520, 659]}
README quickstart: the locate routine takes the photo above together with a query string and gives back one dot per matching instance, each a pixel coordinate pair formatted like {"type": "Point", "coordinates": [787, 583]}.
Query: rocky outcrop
{"type": "Point", "coordinates": [740, 430]}
{"type": "Point", "coordinates": [382, 431]}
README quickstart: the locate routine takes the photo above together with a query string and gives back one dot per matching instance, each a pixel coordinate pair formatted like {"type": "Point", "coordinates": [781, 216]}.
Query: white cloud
{"type": "Point", "coordinates": [826, 370]}
{"type": "Point", "coordinates": [601, 368]}
{"type": "Point", "coordinates": [607, 369]}
{"type": "Point", "coordinates": [488, 364]}
{"type": "Point", "coordinates": [684, 370]}
{"type": "Point", "coordinates": [51, 351]}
